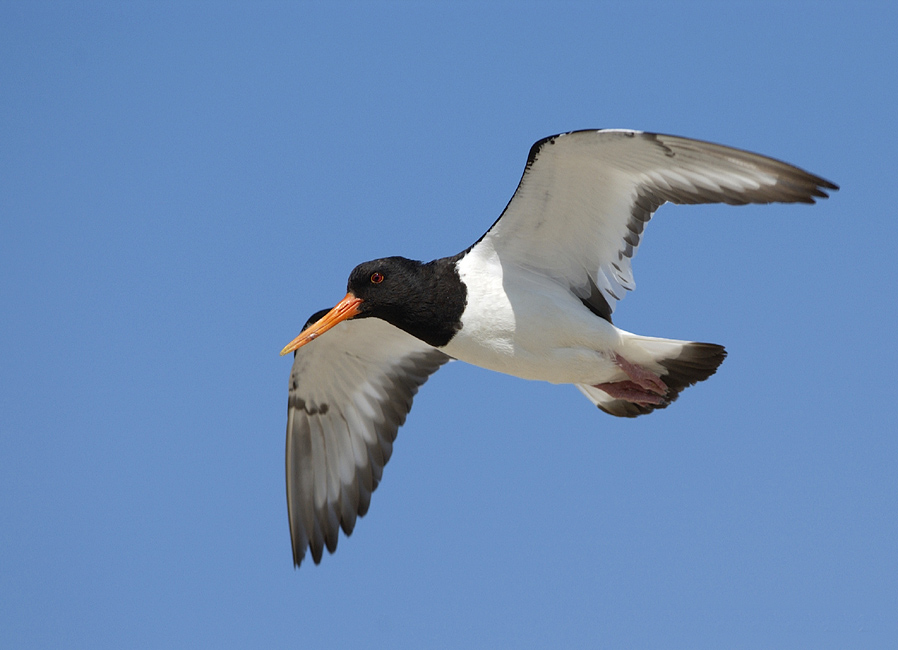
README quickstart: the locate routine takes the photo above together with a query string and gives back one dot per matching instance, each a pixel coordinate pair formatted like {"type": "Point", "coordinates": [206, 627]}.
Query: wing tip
{"type": "Point", "coordinates": [823, 184]}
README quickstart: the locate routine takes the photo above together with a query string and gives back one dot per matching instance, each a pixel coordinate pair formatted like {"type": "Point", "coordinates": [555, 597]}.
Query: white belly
{"type": "Point", "coordinates": [531, 327]}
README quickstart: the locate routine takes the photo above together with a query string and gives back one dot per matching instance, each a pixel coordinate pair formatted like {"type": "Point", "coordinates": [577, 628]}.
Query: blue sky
{"type": "Point", "coordinates": [183, 184]}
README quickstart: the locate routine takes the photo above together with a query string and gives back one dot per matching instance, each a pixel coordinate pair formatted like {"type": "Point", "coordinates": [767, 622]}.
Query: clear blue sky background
{"type": "Point", "coordinates": [183, 184]}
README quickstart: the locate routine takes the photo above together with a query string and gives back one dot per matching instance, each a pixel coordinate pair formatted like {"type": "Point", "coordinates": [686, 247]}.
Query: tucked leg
{"type": "Point", "coordinates": [643, 387]}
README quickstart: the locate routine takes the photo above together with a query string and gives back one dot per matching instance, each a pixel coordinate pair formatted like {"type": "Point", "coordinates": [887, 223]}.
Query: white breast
{"type": "Point", "coordinates": [524, 323]}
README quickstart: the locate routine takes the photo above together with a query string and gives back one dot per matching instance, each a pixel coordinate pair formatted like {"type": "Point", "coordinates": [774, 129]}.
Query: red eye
{"type": "Point", "coordinates": [377, 278]}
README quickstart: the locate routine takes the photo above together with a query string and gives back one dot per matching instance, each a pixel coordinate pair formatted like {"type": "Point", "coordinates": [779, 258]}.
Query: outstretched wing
{"type": "Point", "coordinates": [585, 197]}
{"type": "Point", "coordinates": [350, 391]}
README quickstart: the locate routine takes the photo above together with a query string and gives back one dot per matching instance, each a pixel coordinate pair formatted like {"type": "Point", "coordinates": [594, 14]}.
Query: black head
{"type": "Point", "coordinates": [425, 300]}
{"type": "Point", "coordinates": [387, 287]}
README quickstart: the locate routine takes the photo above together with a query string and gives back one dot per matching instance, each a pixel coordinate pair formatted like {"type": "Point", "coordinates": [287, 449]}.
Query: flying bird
{"type": "Point", "coordinates": [533, 298]}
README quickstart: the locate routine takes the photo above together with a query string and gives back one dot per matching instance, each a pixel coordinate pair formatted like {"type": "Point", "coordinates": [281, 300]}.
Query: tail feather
{"type": "Point", "coordinates": [695, 363]}
{"type": "Point", "coordinates": [679, 364]}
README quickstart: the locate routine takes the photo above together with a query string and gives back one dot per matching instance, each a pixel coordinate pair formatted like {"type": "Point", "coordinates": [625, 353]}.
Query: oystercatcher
{"type": "Point", "coordinates": [533, 298]}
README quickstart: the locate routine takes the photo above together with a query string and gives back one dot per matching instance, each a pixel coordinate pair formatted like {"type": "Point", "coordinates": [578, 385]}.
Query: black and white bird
{"type": "Point", "coordinates": [533, 298]}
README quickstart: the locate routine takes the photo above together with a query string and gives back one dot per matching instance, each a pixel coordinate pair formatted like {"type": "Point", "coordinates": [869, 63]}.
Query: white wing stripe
{"type": "Point", "coordinates": [597, 189]}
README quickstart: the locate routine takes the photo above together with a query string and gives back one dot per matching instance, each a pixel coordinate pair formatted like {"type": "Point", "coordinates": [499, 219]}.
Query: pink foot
{"type": "Point", "coordinates": [643, 387]}
{"type": "Point", "coordinates": [643, 378]}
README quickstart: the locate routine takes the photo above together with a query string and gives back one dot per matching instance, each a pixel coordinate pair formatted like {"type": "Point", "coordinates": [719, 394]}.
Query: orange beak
{"type": "Point", "coordinates": [345, 309]}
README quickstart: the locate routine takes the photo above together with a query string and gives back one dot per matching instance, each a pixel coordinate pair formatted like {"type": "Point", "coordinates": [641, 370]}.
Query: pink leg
{"type": "Point", "coordinates": [643, 387]}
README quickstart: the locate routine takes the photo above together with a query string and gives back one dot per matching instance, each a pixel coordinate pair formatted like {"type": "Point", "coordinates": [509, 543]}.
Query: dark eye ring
{"type": "Point", "coordinates": [377, 278]}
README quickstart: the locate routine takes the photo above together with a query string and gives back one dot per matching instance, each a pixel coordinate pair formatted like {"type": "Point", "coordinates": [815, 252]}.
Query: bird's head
{"type": "Point", "coordinates": [387, 288]}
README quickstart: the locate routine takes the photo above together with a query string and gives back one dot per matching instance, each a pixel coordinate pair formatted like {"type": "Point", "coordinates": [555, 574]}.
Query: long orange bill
{"type": "Point", "coordinates": [346, 308]}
